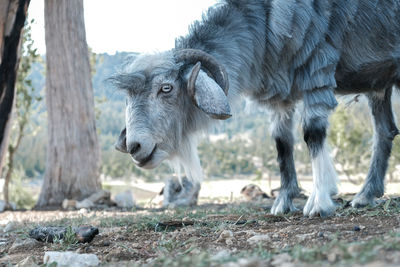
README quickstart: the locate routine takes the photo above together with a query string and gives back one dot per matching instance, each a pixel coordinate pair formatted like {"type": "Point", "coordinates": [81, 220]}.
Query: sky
{"type": "Point", "coordinates": [128, 25]}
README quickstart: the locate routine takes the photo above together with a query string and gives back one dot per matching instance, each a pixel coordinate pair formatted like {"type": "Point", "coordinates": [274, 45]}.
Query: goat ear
{"type": "Point", "coordinates": [208, 95]}
{"type": "Point", "coordinates": [120, 145]}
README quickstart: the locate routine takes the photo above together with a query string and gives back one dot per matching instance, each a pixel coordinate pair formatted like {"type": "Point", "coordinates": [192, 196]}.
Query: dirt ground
{"type": "Point", "coordinates": [229, 234]}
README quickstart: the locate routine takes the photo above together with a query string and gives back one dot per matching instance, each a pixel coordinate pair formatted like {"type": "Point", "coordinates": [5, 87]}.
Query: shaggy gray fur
{"type": "Point", "coordinates": [278, 52]}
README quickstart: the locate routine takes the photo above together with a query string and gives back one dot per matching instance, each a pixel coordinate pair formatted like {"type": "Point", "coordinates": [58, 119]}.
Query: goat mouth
{"type": "Point", "coordinates": [146, 160]}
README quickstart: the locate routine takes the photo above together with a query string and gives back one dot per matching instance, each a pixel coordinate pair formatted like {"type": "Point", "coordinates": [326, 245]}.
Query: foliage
{"type": "Point", "coordinates": [23, 102]}
{"type": "Point", "coordinates": [350, 135]}
{"type": "Point", "coordinates": [19, 193]}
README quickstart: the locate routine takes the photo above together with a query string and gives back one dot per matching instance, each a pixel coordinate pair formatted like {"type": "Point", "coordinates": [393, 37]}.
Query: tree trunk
{"type": "Point", "coordinates": [73, 155]}
{"type": "Point", "coordinates": [12, 19]}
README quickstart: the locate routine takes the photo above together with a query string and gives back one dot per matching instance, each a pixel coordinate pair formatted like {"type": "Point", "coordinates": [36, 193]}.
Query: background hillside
{"type": "Point", "coordinates": [236, 147]}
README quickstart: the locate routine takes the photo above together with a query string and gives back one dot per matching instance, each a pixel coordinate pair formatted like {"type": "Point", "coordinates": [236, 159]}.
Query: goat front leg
{"type": "Point", "coordinates": [385, 131]}
{"type": "Point", "coordinates": [324, 174]}
{"type": "Point", "coordinates": [282, 133]}
{"type": "Point", "coordinates": [181, 193]}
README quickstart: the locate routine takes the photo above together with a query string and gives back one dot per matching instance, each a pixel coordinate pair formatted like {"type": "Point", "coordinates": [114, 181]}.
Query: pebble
{"type": "Point", "coordinates": [71, 259]}
{"type": "Point", "coordinates": [106, 243]}
{"type": "Point", "coordinates": [226, 236]}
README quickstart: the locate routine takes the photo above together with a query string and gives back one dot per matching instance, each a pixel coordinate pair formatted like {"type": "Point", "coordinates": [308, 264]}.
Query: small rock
{"type": "Point", "coordinates": [226, 237]}
{"type": "Point", "coordinates": [258, 238]}
{"type": "Point", "coordinates": [71, 259]}
{"type": "Point", "coordinates": [20, 245]}
{"type": "Point", "coordinates": [226, 234]}
{"type": "Point", "coordinates": [83, 234]}
{"type": "Point", "coordinates": [106, 243]}
{"type": "Point", "coordinates": [84, 204]}
{"type": "Point", "coordinates": [69, 204]}
{"type": "Point", "coordinates": [9, 227]}
{"type": "Point", "coordinates": [27, 262]}
{"type": "Point", "coordinates": [124, 199]}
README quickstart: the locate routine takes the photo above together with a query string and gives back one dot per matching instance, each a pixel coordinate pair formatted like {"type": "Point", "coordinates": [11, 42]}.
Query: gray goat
{"type": "Point", "coordinates": [277, 52]}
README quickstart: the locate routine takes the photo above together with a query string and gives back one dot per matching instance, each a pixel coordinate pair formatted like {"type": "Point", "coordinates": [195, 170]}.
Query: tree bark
{"type": "Point", "coordinates": [12, 18]}
{"type": "Point", "coordinates": [73, 154]}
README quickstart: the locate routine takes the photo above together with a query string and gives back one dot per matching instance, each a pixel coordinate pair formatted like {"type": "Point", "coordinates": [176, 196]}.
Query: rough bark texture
{"type": "Point", "coordinates": [72, 167]}
{"type": "Point", "coordinates": [12, 18]}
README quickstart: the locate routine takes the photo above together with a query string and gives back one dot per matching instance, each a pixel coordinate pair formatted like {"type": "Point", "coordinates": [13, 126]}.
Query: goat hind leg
{"type": "Point", "coordinates": [282, 132]}
{"type": "Point", "coordinates": [384, 132]}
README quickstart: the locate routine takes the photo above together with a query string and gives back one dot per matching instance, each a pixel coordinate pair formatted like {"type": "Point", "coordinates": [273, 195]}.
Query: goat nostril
{"type": "Point", "coordinates": [134, 148]}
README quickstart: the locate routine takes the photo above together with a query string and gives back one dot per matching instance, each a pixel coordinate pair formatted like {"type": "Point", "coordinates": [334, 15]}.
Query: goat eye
{"type": "Point", "coordinates": [166, 88]}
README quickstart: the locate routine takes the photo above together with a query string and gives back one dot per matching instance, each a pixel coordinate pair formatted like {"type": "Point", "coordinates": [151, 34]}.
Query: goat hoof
{"type": "Point", "coordinates": [361, 201]}
{"type": "Point", "coordinates": [283, 204]}
{"type": "Point", "coordinates": [319, 204]}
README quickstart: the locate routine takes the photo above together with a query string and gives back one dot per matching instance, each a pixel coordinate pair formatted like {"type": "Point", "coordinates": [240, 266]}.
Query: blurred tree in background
{"type": "Point", "coordinates": [73, 154]}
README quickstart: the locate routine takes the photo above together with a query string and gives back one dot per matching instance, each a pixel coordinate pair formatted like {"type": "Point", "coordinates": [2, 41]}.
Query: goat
{"type": "Point", "coordinates": [279, 53]}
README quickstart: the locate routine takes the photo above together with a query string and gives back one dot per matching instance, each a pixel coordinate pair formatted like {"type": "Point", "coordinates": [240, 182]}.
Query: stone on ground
{"type": "Point", "coordinates": [70, 259]}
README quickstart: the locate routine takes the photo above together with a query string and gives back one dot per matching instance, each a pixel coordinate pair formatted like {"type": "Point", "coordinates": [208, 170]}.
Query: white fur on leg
{"type": "Point", "coordinates": [188, 159]}
{"type": "Point", "coordinates": [325, 185]}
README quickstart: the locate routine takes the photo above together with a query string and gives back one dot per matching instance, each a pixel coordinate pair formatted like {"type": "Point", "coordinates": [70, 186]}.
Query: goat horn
{"type": "Point", "coordinates": [192, 56]}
